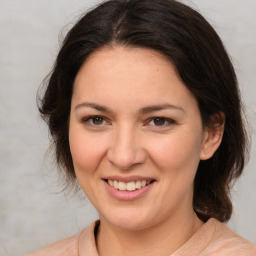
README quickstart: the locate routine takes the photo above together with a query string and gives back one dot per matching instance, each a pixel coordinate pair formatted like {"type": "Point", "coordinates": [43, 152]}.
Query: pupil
{"type": "Point", "coordinates": [159, 121]}
{"type": "Point", "coordinates": [97, 120]}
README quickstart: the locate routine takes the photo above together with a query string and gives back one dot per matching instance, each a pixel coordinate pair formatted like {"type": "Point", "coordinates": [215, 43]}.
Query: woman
{"type": "Point", "coordinates": [145, 114]}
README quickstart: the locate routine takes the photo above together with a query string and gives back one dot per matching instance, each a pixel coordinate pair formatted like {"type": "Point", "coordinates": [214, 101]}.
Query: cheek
{"type": "Point", "coordinates": [87, 151]}
{"type": "Point", "coordinates": [176, 152]}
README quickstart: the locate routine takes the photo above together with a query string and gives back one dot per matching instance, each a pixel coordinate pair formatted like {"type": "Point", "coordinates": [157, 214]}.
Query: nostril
{"type": "Point", "coordinates": [126, 159]}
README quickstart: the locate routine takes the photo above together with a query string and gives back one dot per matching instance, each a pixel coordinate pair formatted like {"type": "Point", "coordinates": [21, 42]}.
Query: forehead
{"type": "Point", "coordinates": [126, 59]}
{"type": "Point", "coordinates": [130, 75]}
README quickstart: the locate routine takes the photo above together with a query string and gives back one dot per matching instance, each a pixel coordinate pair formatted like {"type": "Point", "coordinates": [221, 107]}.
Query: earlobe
{"type": "Point", "coordinates": [212, 139]}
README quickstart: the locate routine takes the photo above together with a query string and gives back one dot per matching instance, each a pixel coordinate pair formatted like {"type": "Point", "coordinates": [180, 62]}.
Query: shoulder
{"type": "Point", "coordinates": [65, 247]}
{"type": "Point", "coordinates": [226, 242]}
{"type": "Point", "coordinates": [214, 238]}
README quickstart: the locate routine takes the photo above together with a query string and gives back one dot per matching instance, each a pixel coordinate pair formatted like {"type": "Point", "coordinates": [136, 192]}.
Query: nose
{"type": "Point", "coordinates": [126, 149]}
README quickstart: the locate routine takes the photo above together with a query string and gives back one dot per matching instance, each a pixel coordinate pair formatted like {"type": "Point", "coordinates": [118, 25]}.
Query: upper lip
{"type": "Point", "coordinates": [127, 179]}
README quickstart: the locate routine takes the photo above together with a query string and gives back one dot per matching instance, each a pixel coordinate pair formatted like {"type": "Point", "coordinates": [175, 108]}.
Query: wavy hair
{"type": "Point", "coordinates": [202, 63]}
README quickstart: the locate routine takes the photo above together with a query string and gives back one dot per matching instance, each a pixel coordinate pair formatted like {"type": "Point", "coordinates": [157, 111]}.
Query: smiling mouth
{"type": "Point", "coordinates": [129, 186]}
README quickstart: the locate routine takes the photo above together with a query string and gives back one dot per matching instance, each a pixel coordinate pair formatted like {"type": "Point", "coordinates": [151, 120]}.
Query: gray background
{"type": "Point", "coordinates": [33, 210]}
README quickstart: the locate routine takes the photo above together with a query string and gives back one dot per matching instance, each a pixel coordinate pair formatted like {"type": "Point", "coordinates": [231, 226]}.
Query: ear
{"type": "Point", "coordinates": [212, 136]}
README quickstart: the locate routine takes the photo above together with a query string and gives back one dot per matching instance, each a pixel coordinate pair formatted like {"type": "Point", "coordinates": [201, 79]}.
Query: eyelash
{"type": "Point", "coordinates": [167, 121]}
{"type": "Point", "coordinates": [89, 120]}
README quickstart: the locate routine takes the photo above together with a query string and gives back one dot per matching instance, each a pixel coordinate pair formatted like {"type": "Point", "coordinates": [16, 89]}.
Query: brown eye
{"type": "Point", "coordinates": [94, 121]}
{"type": "Point", "coordinates": [97, 120]}
{"type": "Point", "coordinates": [159, 121]}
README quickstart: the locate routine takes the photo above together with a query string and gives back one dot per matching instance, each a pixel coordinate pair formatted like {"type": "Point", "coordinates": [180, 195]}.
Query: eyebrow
{"type": "Point", "coordinates": [154, 108]}
{"type": "Point", "coordinates": [144, 110]}
{"type": "Point", "coordinates": [94, 106]}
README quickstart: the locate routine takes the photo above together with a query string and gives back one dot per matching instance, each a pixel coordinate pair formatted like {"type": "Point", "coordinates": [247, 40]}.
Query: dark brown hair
{"type": "Point", "coordinates": [193, 46]}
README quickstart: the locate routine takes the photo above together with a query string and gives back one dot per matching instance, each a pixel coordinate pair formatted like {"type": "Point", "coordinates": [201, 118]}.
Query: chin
{"type": "Point", "coordinates": [131, 225]}
{"type": "Point", "coordinates": [129, 220]}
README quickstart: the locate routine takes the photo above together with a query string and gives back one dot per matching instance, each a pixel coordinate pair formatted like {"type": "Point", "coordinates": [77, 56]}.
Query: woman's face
{"type": "Point", "coordinates": [136, 137]}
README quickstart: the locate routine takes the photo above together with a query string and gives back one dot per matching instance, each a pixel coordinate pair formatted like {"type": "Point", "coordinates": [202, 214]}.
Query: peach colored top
{"type": "Point", "coordinates": [212, 239]}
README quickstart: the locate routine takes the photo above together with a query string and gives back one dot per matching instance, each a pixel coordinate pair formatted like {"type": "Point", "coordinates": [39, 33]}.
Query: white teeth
{"type": "Point", "coordinates": [115, 184]}
{"type": "Point", "coordinates": [111, 183]}
{"type": "Point", "coordinates": [138, 184]}
{"type": "Point", "coordinates": [121, 185]}
{"type": "Point", "coordinates": [130, 186]}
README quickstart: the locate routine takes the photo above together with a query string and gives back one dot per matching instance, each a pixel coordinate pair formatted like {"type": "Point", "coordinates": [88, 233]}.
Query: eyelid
{"type": "Point", "coordinates": [88, 118]}
{"type": "Point", "coordinates": [169, 121]}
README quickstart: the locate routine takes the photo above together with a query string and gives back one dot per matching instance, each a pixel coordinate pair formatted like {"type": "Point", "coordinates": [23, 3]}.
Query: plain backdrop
{"type": "Point", "coordinates": [33, 209]}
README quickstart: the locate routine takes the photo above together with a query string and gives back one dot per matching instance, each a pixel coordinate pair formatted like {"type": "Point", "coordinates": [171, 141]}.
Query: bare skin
{"type": "Point", "coordinates": [133, 120]}
{"type": "Point", "coordinates": [156, 240]}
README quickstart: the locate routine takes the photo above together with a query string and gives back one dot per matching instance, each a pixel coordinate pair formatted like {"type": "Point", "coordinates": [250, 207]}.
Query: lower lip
{"type": "Point", "coordinates": [128, 195]}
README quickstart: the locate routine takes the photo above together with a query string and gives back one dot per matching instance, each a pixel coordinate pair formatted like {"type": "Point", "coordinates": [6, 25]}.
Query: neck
{"type": "Point", "coordinates": [162, 239]}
